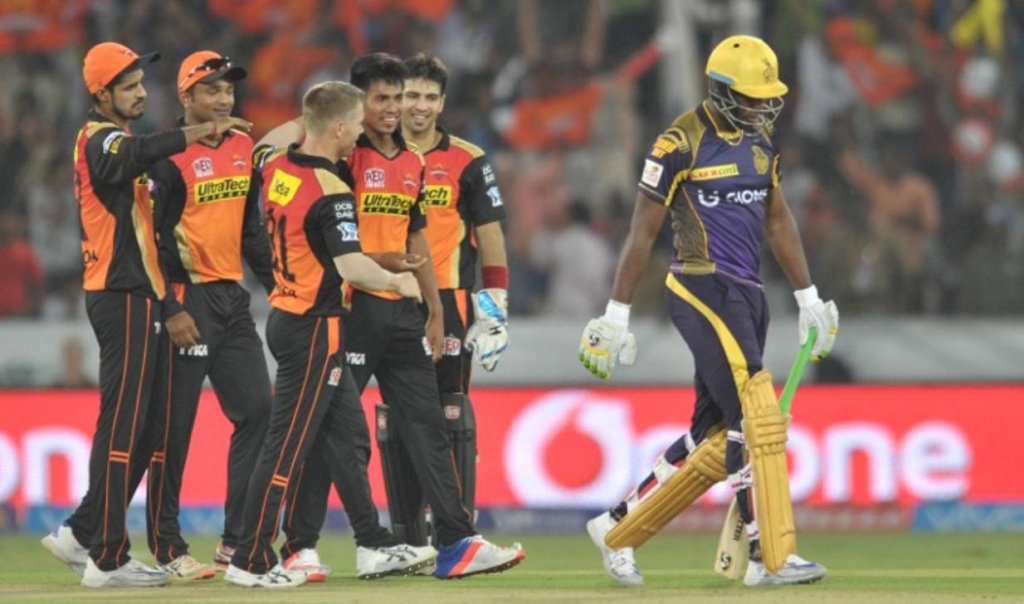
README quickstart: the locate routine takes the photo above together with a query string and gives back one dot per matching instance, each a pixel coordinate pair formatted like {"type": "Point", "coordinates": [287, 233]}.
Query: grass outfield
{"type": "Point", "coordinates": [903, 568]}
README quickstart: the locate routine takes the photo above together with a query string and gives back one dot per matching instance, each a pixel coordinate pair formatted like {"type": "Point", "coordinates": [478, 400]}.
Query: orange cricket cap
{"type": "Point", "coordinates": [207, 66]}
{"type": "Point", "coordinates": [107, 60]}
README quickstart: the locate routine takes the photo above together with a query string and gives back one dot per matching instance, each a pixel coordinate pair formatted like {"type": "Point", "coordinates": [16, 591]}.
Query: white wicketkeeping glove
{"type": "Point", "coordinates": [606, 340]}
{"type": "Point", "coordinates": [815, 313]}
{"type": "Point", "coordinates": [488, 336]}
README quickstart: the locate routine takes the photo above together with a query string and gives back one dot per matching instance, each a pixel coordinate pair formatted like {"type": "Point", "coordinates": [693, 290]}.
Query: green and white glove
{"type": "Point", "coordinates": [815, 313]}
{"type": "Point", "coordinates": [607, 340]}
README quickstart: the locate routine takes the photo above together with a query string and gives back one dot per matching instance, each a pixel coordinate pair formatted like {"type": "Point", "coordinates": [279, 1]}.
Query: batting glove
{"type": "Point", "coordinates": [815, 313]}
{"type": "Point", "coordinates": [606, 340]}
{"type": "Point", "coordinates": [488, 336]}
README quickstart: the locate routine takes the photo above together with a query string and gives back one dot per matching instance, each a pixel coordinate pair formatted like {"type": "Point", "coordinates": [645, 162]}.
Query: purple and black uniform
{"type": "Point", "coordinates": [717, 186]}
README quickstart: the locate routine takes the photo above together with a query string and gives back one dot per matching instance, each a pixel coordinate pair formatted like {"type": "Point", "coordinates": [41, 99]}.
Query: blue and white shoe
{"type": "Point", "coordinates": [796, 570]}
{"type": "Point", "coordinates": [64, 547]}
{"type": "Point", "coordinates": [474, 556]}
{"type": "Point", "coordinates": [618, 563]}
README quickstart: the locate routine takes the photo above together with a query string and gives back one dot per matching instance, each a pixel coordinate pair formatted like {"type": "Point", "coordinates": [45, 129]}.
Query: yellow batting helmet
{"type": "Point", "coordinates": [748, 66]}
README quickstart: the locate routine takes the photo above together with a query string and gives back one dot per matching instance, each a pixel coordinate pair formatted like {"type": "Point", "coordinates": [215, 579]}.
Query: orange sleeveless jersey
{"type": "Point", "coordinates": [201, 196]}
{"type": "Point", "coordinates": [112, 190]}
{"type": "Point", "coordinates": [461, 193]}
{"type": "Point", "coordinates": [389, 192]}
{"type": "Point", "coordinates": [311, 218]}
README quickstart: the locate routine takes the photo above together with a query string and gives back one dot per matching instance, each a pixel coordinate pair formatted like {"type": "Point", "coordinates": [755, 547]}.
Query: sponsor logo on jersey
{"type": "Point", "coordinates": [495, 196]}
{"type": "Point", "coordinates": [452, 412]}
{"type": "Point", "coordinates": [760, 160]}
{"type": "Point", "coordinates": [283, 187]}
{"type": "Point", "coordinates": [710, 198]}
{"type": "Point", "coordinates": [385, 203]}
{"type": "Point", "coordinates": [651, 175]}
{"type": "Point", "coordinates": [355, 358]}
{"type": "Point", "coordinates": [714, 172]}
{"type": "Point", "coordinates": [221, 189]}
{"type": "Point", "coordinates": [488, 172]}
{"type": "Point", "coordinates": [373, 178]}
{"type": "Point", "coordinates": [349, 231]}
{"type": "Point", "coordinates": [202, 167]}
{"type": "Point", "coordinates": [113, 142]}
{"type": "Point", "coordinates": [438, 196]}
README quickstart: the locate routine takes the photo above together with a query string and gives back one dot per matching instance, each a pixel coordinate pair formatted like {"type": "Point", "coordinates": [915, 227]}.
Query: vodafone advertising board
{"type": "Point", "coordinates": [585, 448]}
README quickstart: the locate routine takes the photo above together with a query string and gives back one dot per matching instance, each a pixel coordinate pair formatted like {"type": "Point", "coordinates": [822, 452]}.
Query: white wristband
{"type": "Point", "coordinates": [806, 297]}
{"type": "Point", "coordinates": [617, 312]}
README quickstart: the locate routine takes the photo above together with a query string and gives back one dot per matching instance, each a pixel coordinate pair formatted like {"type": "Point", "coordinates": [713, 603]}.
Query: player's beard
{"type": "Point", "coordinates": [127, 116]}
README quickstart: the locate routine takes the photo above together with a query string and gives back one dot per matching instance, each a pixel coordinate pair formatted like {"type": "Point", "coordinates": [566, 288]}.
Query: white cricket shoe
{"type": "Point", "coordinates": [474, 556]}
{"type": "Point", "coordinates": [187, 567]}
{"type": "Point", "coordinates": [278, 577]}
{"type": "Point", "coordinates": [618, 563]}
{"type": "Point", "coordinates": [132, 574]}
{"type": "Point", "coordinates": [796, 570]}
{"type": "Point", "coordinates": [64, 547]}
{"type": "Point", "coordinates": [308, 561]}
{"type": "Point", "coordinates": [403, 559]}
{"type": "Point", "coordinates": [222, 556]}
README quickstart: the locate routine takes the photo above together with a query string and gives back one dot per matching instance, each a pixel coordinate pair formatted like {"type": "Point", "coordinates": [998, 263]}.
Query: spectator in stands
{"type": "Point", "coordinates": [21, 280]}
{"type": "Point", "coordinates": [72, 372]}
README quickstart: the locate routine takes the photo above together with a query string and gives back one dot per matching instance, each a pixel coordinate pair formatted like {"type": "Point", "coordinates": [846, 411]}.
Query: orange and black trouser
{"type": "Point", "coordinates": [455, 366]}
{"type": "Point", "coordinates": [384, 339]}
{"type": "Point", "coordinates": [127, 327]}
{"type": "Point", "coordinates": [231, 354]}
{"type": "Point", "coordinates": [308, 375]}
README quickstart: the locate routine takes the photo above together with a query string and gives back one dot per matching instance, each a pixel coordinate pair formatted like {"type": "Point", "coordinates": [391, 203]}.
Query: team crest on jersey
{"type": "Point", "coordinates": [760, 160]}
{"type": "Point", "coordinates": [238, 161]}
{"type": "Point", "coordinates": [439, 171]}
{"type": "Point", "coordinates": [374, 178]}
{"type": "Point", "coordinates": [409, 181]}
{"type": "Point", "coordinates": [335, 378]}
{"type": "Point", "coordinates": [203, 167]}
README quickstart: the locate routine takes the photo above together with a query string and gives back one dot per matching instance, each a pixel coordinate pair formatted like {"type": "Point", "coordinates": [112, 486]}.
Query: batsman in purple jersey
{"type": "Point", "coordinates": [716, 171]}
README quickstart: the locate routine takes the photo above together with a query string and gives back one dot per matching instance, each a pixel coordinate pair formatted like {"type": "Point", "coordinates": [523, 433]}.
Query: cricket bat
{"type": "Point", "coordinates": [733, 547]}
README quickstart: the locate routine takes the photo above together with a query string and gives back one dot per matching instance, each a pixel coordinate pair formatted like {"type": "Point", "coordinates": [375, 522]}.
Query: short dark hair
{"type": "Point", "coordinates": [427, 67]}
{"type": "Point", "coordinates": [379, 66]}
{"type": "Point", "coordinates": [116, 82]}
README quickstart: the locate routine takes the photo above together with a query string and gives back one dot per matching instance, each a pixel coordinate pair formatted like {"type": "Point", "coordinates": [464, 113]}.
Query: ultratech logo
{"type": "Point", "coordinates": [385, 203]}
{"type": "Point", "coordinates": [438, 196]}
{"type": "Point", "coordinates": [221, 189]}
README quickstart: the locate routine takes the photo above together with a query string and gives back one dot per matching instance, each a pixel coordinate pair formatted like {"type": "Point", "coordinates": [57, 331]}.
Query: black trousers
{"type": "Point", "coordinates": [455, 367]}
{"type": "Point", "coordinates": [385, 340]}
{"type": "Point", "coordinates": [231, 354]}
{"type": "Point", "coordinates": [313, 408]}
{"type": "Point", "coordinates": [128, 330]}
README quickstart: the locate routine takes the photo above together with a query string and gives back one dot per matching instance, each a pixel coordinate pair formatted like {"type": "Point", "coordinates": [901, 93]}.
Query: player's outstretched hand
{"type": "Point", "coordinates": [605, 342]}
{"type": "Point", "coordinates": [232, 123]}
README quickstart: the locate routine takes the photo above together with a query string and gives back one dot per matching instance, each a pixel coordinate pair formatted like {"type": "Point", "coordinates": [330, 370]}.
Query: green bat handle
{"type": "Point", "coordinates": [786, 400]}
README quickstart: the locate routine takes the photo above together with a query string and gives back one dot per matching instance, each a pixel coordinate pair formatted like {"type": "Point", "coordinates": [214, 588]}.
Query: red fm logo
{"type": "Point", "coordinates": [373, 178]}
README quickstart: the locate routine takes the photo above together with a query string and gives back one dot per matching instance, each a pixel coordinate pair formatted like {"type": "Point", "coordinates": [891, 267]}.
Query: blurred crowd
{"type": "Point", "coordinates": [900, 136]}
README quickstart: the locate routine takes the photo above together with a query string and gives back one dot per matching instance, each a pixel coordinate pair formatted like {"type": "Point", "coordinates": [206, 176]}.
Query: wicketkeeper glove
{"type": "Point", "coordinates": [488, 336]}
{"type": "Point", "coordinates": [815, 313]}
{"type": "Point", "coordinates": [606, 340]}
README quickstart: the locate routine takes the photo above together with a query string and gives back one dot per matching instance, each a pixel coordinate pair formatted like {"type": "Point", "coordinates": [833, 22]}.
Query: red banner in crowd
{"type": "Point", "coordinates": [587, 447]}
